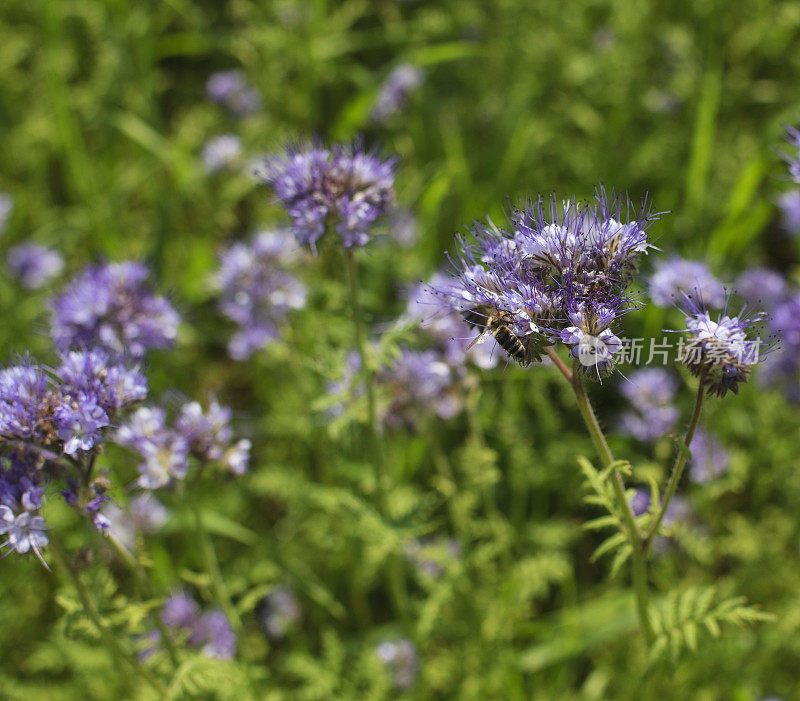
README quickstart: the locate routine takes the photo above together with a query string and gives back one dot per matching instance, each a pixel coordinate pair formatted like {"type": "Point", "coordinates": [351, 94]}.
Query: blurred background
{"type": "Point", "coordinates": [122, 140]}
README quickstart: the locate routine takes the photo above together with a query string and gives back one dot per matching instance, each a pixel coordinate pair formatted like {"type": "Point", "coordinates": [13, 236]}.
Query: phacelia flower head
{"type": "Point", "coordinates": [400, 660]}
{"type": "Point", "coordinates": [34, 265]}
{"type": "Point", "coordinates": [164, 452]}
{"type": "Point", "coordinates": [793, 137]}
{"type": "Point", "coordinates": [6, 206]}
{"type": "Point", "coordinates": [560, 271]}
{"type": "Point", "coordinates": [761, 287]}
{"type": "Point", "coordinates": [280, 611]}
{"type": "Point", "coordinates": [221, 152]}
{"type": "Point", "coordinates": [112, 307]}
{"type": "Point", "coordinates": [256, 290]}
{"type": "Point", "coordinates": [720, 351]}
{"type": "Point", "coordinates": [789, 203]}
{"type": "Point", "coordinates": [709, 458]}
{"type": "Point", "coordinates": [214, 635]}
{"type": "Point", "coordinates": [25, 406]}
{"type": "Point", "coordinates": [210, 436]}
{"type": "Point", "coordinates": [651, 393]}
{"type": "Point", "coordinates": [344, 187]}
{"type": "Point", "coordinates": [677, 275]}
{"type": "Point", "coordinates": [230, 89]}
{"type": "Point", "coordinates": [24, 532]}
{"type": "Point", "coordinates": [396, 90]}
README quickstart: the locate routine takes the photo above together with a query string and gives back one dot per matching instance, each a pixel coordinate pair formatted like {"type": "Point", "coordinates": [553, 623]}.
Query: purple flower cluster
{"type": "Point", "coordinates": [560, 271]}
{"type": "Point", "coordinates": [112, 307]}
{"type": "Point", "coordinates": [396, 90]}
{"type": "Point", "coordinates": [709, 459]}
{"type": "Point", "coordinates": [782, 368]}
{"type": "Point", "coordinates": [677, 275]}
{"type": "Point", "coordinates": [280, 612]}
{"type": "Point", "coordinates": [346, 188]}
{"type": "Point", "coordinates": [221, 152]}
{"type": "Point", "coordinates": [651, 393]}
{"type": "Point", "coordinates": [722, 351]}
{"type": "Point", "coordinates": [677, 510]}
{"type": "Point", "coordinates": [230, 89]}
{"type": "Point", "coordinates": [51, 420]}
{"type": "Point", "coordinates": [399, 657]}
{"type": "Point", "coordinates": [416, 384]}
{"type": "Point", "coordinates": [209, 632]}
{"type": "Point", "coordinates": [789, 204]}
{"type": "Point", "coordinates": [257, 292]}
{"type": "Point", "coordinates": [34, 265]}
{"type": "Point", "coordinates": [165, 451]}
{"type": "Point", "coordinates": [793, 137]}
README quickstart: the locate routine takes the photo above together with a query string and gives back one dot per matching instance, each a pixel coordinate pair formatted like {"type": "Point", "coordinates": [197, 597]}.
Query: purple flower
{"type": "Point", "coordinates": [256, 290]}
{"type": "Point", "coordinates": [79, 424]}
{"type": "Point", "coordinates": [34, 265]}
{"type": "Point", "coordinates": [180, 611]}
{"type": "Point", "coordinates": [709, 459]}
{"type": "Point", "coordinates": [111, 307]}
{"type": "Point", "coordinates": [559, 272]}
{"type": "Point", "coordinates": [793, 137]}
{"type": "Point", "coordinates": [221, 152]}
{"type": "Point", "coordinates": [396, 90]}
{"type": "Point", "coordinates": [209, 436]}
{"type": "Point", "coordinates": [24, 397]}
{"type": "Point", "coordinates": [93, 373]}
{"type": "Point", "coordinates": [761, 286]}
{"type": "Point", "coordinates": [720, 351]}
{"type": "Point", "coordinates": [280, 611]}
{"type": "Point", "coordinates": [676, 275]}
{"type": "Point", "coordinates": [346, 188]}
{"type": "Point", "coordinates": [418, 383]}
{"type": "Point", "coordinates": [640, 501]}
{"type": "Point", "coordinates": [789, 203]}
{"type": "Point", "coordinates": [782, 368]}
{"type": "Point", "coordinates": [651, 392]}
{"type": "Point", "coordinates": [24, 532]}
{"type": "Point", "coordinates": [400, 659]}
{"type": "Point", "coordinates": [213, 633]}
{"type": "Point", "coordinates": [6, 206]}
{"type": "Point", "coordinates": [677, 510]}
{"type": "Point", "coordinates": [164, 452]}
{"type": "Point", "coordinates": [230, 89]}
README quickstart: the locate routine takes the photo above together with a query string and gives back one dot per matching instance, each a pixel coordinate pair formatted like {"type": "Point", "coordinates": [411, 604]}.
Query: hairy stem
{"type": "Point", "coordinates": [123, 656]}
{"type": "Point", "coordinates": [677, 467]}
{"type": "Point", "coordinates": [638, 556]}
{"type": "Point", "coordinates": [396, 574]}
{"type": "Point", "coordinates": [563, 369]}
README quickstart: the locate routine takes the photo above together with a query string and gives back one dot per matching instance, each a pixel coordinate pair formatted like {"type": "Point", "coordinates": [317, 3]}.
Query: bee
{"type": "Point", "coordinates": [497, 323]}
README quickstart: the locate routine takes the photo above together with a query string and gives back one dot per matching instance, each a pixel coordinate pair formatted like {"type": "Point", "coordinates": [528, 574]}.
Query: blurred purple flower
{"type": "Point", "coordinates": [34, 265]}
{"type": "Point", "coordinates": [709, 459]}
{"type": "Point", "coordinates": [280, 611]}
{"type": "Point", "coordinates": [256, 290]}
{"type": "Point", "coordinates": [112, 307]}
{"type": "Point", "coordinates": [396, 90]}
{"type": "Point", "coordinates": [230, 89]}
{"type": "Point", "coordinates": [789, 203]}
{"type": "Point", "coordinates": [212, 632]}
{"type": "Point", "coordinates": [221, 152]}
{"type": "Point", "coordinates": [761, 286]}
{"type": "Point", "coordinates": [400, 659]}
{"type": "Point", "coordinates": [676, 275]}
{"type": "Point", "coordinates": [651, 392]}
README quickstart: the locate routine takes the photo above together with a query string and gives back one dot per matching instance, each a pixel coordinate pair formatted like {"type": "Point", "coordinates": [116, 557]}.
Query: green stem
{"type": "Point", "coordinates": [396, 574]}
{"type": "Point", "coordinates": [677, 468]}
{"type": "Point", "coordinates": [124, 657]}
{"type": "Point", "coordinates": [638, 555]}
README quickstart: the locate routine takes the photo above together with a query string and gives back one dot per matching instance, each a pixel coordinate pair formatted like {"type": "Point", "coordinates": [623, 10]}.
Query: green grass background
{"type": "Point", "coordinates": [102, 120]}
